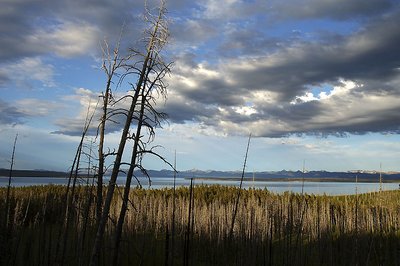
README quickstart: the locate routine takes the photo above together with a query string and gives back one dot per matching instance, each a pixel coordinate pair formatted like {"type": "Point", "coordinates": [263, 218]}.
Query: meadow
{"type": "Point", "coordinates": [194, 227]}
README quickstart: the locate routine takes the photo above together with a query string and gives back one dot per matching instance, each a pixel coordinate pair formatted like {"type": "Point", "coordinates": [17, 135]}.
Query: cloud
{"type": "Point", "coordinates": [181, 110]}
{"type": "Point", "coordinates": [36, 107]}
{"type": "Point", "coordinates": [26, 71]}
{"type": "Point", "coordinates": [249, 41]}
{"type": "Point", "coordinates": [65, 28]}
{"type": "Point", "coordinates": [348, 107]}
{"type": "Point", "coordinates": [356, 77]}
{"type": "Point", "coordinates": [23, 110]}
{"type": "Point", "coordinates": [214, 9]}
{"type": "Point", "coordinates": [10, 115]}
{"type": "Point", "coordinates": [85, 105]}
{"type": "Point", "coordinates": [334, 9]}
{"type": "Point", "coordinates": [192, 32]}
{"type": "Point", "coordinates": [232, 75]}
{"type": "Point", "coordinates": [289, 70]}
{"type": "Point", "coordinates": [67, 39]}
{"type": "Point", "coordinates": [231, 10]}
{"type": "Point", "coordinates": [4, 79]}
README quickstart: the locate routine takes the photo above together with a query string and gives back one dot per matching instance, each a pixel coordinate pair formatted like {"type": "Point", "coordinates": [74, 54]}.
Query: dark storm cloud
{"type": "Point", "coordinates": [371, 53]}
{"type": "Point", "coordinates": [313, 118]}
{"type": "Point", "coordinates": [215, 91]}
{"type": "Point", "coordinates": [292, 113]}
{"type": "Point", "coordinates": [21, 22]}
{"type": "Point", "coordinates": [181, 112]}
{"type": "Point", "coordinates": [250, 42]}
{"type": "Point", "coordinates": [368, 56]}
{"type": "Point", "coordinates": [243, 59]}
{"type": "Point", "coordinates": [191, 31]}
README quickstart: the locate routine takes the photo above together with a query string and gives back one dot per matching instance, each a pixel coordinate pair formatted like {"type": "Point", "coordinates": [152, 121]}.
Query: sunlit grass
{"type": "Point", "coordinates": [274, 229]}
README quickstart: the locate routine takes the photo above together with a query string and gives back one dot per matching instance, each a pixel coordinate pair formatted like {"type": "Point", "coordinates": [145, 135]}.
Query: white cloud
{"type": "Point", "coordinates": [245, 110]}
{"type": "Point", "coordinates": [36, 107]}
{"type": "Point", "coordinates": [83, 104]}
{"type": "Point", "coordinates": [67, 39]}
{"type": "Point", "coordinates": [307, 97]}
{"type": "Point", "coordinates": [340, 90]}
{"type": "Point", "coordinates": [230, 9]}
{"type": "Point", "coordinates": [26, 70]}
{"type": "Point", "coordinates": [242, 104]}
{"type": "Point", "coordinates": [84, 101]}
{"type": "Point", "coordinates": [343, 89]}
{"type": "Point", "coordinates": [218, 9]}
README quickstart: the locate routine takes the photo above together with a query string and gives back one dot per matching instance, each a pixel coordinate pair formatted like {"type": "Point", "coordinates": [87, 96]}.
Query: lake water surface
{"type": "Point", "coordinates": [329, 188]}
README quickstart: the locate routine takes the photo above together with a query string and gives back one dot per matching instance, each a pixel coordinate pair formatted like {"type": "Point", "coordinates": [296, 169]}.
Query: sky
{"type": "Point", "coordinates": [314, 81]}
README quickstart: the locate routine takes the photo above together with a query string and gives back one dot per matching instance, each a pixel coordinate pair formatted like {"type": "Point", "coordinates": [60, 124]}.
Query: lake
{"type": "Point", "coordinates": [329, 188]}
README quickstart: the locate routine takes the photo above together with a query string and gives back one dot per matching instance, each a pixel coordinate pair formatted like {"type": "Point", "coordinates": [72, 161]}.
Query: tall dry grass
{"type": "Point", "coordinates": [270, 229]}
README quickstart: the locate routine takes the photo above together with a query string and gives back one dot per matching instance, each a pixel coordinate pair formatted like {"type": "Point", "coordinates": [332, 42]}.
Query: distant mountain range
{"type": "Point", "coordinates": [32, 173]}
{"type": "Point", "coordinates": [363, 176]}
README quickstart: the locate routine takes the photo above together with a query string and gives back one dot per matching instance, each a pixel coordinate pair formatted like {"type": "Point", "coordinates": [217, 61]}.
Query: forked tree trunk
{"type": "Point", "coordinates": [140, 88]}
{"type": "Point", "coordinates": [115, 171]}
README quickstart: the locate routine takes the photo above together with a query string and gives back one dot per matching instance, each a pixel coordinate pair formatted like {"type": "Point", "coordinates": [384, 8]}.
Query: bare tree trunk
{"type": "Point", "coordinates": [129, 176]}
{"type": "Point", "coordinates": [188, 234]}
{"type": "Point", "coordinates": [86, 209]}
{"type": "Point", "coordinates": [110, 66]}
{"type": "Point", "coordinates": [145, 85]}
{"type": "Point", "coordinates": [100, 174]}
{"type": "Point", "coordinates": [111, 187]}
{"type": "Point", "coordinates": [6, 221]}
{"type": "Point", "coordinates": [69, 194]}
{"type": "Point", "coordinates": [142, 89]}
{"type": "Point", "coordinates": [7, 212]}
{"type": "Point", "coordinates": [114, 175]}
{"type": "Point", "coordinates": [173, 215]}
{"type": "Point", "coordinates": [239, 191]}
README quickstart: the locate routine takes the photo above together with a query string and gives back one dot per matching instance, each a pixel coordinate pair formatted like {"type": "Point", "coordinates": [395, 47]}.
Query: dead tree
{"type": "Point", "coordinates": [6, 226]}
{"type": "Point", "coordinates": [7, 211]}
{"type": "Point", "coordinates": [71, 187]}
{"type": "Point", "coordinates": [149, 71]}
{"type": "Point", "coordinates": [239, 191]}
{"type": "Point", "coordinates": [112, 63]}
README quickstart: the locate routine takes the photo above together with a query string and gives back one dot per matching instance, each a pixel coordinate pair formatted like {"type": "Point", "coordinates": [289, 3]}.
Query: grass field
{"type": "Point", "coordinates": [269, 229]}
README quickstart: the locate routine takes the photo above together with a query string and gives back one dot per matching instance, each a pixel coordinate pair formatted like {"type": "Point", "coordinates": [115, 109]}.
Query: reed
{"type": "Point", "coordinates": [270, 229]}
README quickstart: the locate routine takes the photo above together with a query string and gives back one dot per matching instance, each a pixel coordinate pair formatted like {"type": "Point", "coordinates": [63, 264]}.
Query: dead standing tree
{"type": "Point", "coordinates": [71, 188]}
{"type": "Point", "coordinates": [7, 210]}
{"type": "Point", "coordinates": [112, 63]}
{"type": "Point", "coordinates": [149, 70]}
{"type": "Point", "coordinates": [7, 224]}
{"type": "Point", "coordinates": [147, 118]}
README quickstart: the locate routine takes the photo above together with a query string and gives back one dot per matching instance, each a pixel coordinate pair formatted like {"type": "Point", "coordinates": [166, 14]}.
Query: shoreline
{"type": "Point", "coordinates": [246, 179]}
{"type": "Point", "coordinates": [296, 179]}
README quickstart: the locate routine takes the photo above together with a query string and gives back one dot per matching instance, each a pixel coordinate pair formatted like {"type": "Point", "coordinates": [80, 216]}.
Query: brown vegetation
{"type": "Point", "coordinates": [271, 229]}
